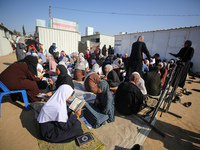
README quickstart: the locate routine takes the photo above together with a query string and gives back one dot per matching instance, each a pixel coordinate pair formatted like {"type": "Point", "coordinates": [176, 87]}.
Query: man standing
{"type": "Point", "coordinates": [37, 44]}
{"type": "Point", "coordinates": [52, 51]}
{"type": "Point", "coordinates": [129, 98]}
{"type": "Point", "coordinates": [135, 61]}
{"type": "Point", "coordinates": [185, 55]}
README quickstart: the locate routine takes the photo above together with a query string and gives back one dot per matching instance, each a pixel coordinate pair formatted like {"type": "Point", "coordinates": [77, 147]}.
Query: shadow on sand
{"type": "Point", "coordinates": [8, 64]}
{"type": "Point", "coordinates": [176, 136]}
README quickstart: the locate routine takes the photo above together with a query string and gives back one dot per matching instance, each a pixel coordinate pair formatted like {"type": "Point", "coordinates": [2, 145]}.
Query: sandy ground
{"type": "Point", "coordinates": [17, 131]}
{"type": "Point", "coordinates": [181, 133]}
{"type": "Point", "coordinates": [16, 128]}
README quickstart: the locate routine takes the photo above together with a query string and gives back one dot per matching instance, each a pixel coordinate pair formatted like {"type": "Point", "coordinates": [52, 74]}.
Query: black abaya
{"type": "Point", "coordinates": [128, 98]}
{"type": "Point", "coordinates": [135, 61]}
{"type": "Point", "coordinates": [60, 132]}
{"type": "Point", "coordinates": [186, 55]}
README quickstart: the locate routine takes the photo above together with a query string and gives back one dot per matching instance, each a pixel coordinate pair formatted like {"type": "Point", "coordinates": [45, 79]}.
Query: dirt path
{"type": "Point", "coordinates": [182, 133]}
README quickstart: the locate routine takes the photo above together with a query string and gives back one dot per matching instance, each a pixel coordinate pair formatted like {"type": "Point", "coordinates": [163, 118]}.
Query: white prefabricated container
{"type": "Point", "coordinates": [100, 38]}
{"type": "Point", "coordinates": [65, 40]}
{"type": "Point", "coordinates": [5, 39]}
{"type": "Point", "coordinates": [163, 42]}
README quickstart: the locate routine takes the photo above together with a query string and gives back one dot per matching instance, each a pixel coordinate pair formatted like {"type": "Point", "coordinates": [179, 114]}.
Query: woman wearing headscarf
{"type": "Point", "coordinates": [111, 76]}
{"type": "Point", "coordinates": [117, 66]}
{"type": "Point", "coordinates": [57, 124]}
{"type": "Point", "coordinates": [163, 73]}
{"type": "Point", "coordinates": [63, 78]}
{"type": "Point", "coordinates": [170, 66]}
{"type": "Point", "coordinates": [93, 62]}
{"type": "Point", "coordinates": [141, 84]}
{"type": "Point", "coordinates": [109, 60]}
{"type": "Point", "coordinates": [43, 57]}
{"type": "Point", "coordinates": [152, 81]}
{"type": "Point", "coordinates": [81, 55]}
{"type": "Point", "coordinates": [64, 62]}
{"type": "Point", "coordinates": [76, 60]}
{"type": "Point", "coordinates": [92, 79]}
{"type": "Point", "coordinates": [20, 48]}
{"type": "Point", "coordinates": [105, 101]}
{"type": "Point", "coordinates": [52, 66]}
{"type": "Point", "coordinates": [80, 71]}
{"type": "Point", "coordinates": [103, 108]}
{"type": "Point", "coordinates": [21, 76]}
{"type": "Point", "coordinates": [90, 60]}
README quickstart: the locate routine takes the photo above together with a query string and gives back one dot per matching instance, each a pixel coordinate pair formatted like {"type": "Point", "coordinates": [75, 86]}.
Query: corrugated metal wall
{"type": "Point", "coordinates": [163, 42]}
{"type": "Point", "coordinates": [65, 40]}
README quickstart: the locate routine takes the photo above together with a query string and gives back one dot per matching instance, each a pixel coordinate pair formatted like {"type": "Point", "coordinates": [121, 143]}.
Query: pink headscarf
{"type": "Point", "coordinates": [52, 64]}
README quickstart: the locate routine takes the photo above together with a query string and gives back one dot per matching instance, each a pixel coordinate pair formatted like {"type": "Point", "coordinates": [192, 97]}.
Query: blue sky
{"type": "Point", "coordinates": [15, 14]}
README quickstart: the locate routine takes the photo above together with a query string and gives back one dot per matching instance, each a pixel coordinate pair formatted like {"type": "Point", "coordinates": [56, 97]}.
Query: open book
{"type": "Point", "coordinates": [40, 74]}
{"type": "Point", "coordinates": [41, 95]}
{"type": "Point", "coordinates": [76, 104]}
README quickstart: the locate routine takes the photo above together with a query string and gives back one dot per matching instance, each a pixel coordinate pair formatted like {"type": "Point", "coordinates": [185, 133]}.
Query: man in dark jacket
{"type": "Point", "coordinates": [129, 98]}
{"type": "Point", "coordinates": [185, 55]}
{"type": "Point", "coordinates": [136, 57]}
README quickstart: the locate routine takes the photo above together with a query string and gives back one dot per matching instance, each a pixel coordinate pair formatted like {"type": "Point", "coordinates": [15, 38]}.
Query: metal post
{"type": "Point", "coordinates": [49, 11]}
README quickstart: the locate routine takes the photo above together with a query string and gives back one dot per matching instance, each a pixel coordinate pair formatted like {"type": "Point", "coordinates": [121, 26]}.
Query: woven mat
{"type": "Point", "coordinates": [96, 144]}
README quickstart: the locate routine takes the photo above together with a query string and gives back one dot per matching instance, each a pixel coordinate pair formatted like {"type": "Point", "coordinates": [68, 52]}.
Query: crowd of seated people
{"type": "Point", "coordinates": [97, 71]}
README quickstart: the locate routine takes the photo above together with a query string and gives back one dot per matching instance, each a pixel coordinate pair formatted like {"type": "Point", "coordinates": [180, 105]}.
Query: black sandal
{"type": "Point", "coordinates": [187, 104]}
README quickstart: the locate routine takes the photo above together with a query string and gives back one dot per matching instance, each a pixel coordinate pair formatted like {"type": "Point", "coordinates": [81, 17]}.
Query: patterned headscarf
{"type": "Point", "coordinates": [81, 65]}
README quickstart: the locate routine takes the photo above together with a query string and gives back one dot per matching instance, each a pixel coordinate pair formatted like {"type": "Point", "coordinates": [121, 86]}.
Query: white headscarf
{"type": "Point", "coordinates": [161, 63]}
{"type": "Point", "coordinates": [141, 84]}
{"type": "Point", "coordinates": [21, 40]}
{"type": "Point", "coordinates": [117, 63]}
{"type": "Point", "coordinates": [82, 59]}
{"type": "Point", "coordinates": [55, 109]}
{"type": "Point", "coordinates": [39, 66]}
{"type": "Point", "coordinates": [109, 67]}
{"type": "Point", "coordinates": [80, 55]}
{"type": "Point", "coordinates": [64, 62]}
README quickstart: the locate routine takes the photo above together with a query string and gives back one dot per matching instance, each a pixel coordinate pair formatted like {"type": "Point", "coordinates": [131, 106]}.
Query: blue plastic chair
{"type": "Point", "coordinates": [6, 91]}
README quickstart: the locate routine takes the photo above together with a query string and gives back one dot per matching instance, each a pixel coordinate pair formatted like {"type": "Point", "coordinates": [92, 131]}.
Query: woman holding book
{"type": "Point", "coordinates": [57, 123]}
{"type": "Point", "coordinates": [63, 78]}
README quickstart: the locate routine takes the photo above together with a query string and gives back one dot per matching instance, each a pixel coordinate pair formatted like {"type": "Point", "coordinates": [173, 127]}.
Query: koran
{"type": "Point", "coordinates": [76, 104]}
